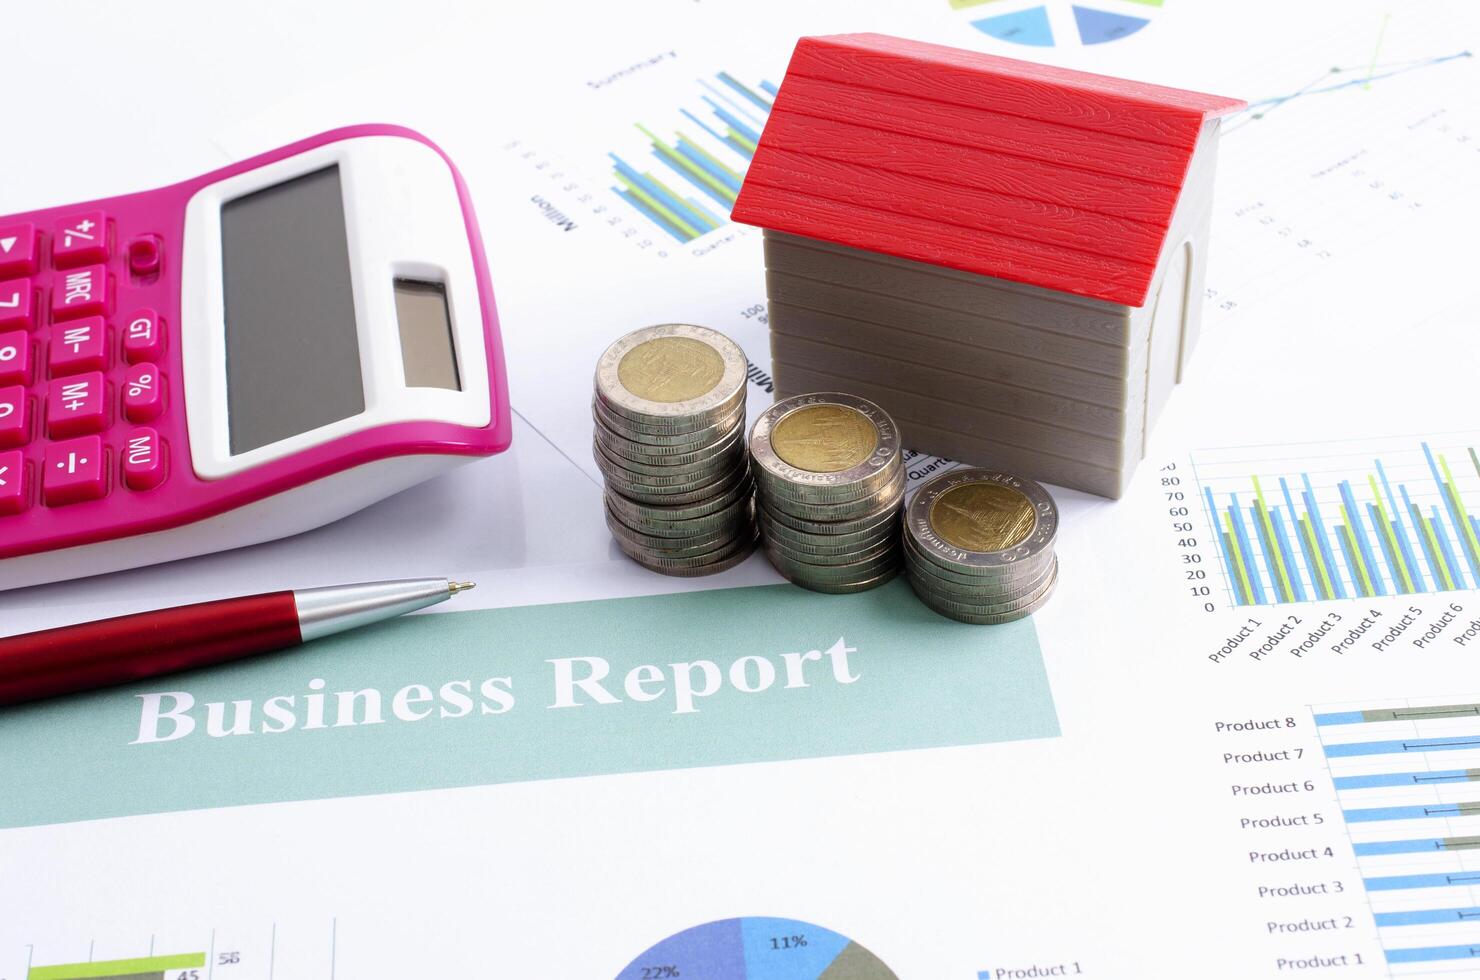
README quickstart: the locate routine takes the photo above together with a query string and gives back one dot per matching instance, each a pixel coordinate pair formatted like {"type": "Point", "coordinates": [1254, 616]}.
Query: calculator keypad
{"type": "Point", "coordinates": [84, 377]}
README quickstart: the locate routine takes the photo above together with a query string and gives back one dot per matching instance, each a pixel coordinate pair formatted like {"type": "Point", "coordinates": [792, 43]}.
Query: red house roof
{"type": "Point", "coordinates": [1006, 168]}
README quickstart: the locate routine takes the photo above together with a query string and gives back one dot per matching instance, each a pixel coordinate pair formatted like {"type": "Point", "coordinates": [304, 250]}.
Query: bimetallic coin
{"type": "Point", "coordinates": [670, 372]}
{"type": "Point", "coordinates": [671, 454]}
{"type": "Point", "coordinates": [955, 592]}
{"type": "Point", "coordinates": [826, 543]}
{"type": "Point", "coordinates": [671, 498]}
{"type": "Point", "coordinates": [818, 448]}
{"type": "Point", "coordinates": [694, 565]}
{"type": "Point", "coordinates": [961, 511]}
{"type": "Point", "coordinates": [657, 547]}
{"type": "Point", "coordinates": [663, 481]}
{"type": "Point", "coordinates": [888, 509]}
{"type": "Point", "coordinates": [978, 579]}
{"type": "Point", "coordinates": [847, 510]}
{"type": "Point", "coordinates": [803, 573]}
{"type": "Point", "coordinates": [845, 588]}
{"type": "Point", "coordinates": [738, 510]}
{"type": "Point", "coordinates": [686, 432]}
{"type": "Point", "coordinates": [813, 556]}
{"type": "Point", "coordinates": [730, 453]}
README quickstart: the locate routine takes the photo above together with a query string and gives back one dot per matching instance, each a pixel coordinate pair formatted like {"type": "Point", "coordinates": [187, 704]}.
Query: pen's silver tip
{"type": "Point", "coordinates": [453, 588]}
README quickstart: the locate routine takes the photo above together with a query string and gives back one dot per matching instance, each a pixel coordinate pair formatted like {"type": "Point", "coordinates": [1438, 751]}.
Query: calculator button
{"type": "Point", "coordinates": [74, 471]}
{"type": "Point", "coordinates": [17, 305]}
{"type": "Point", "coordinates": [12, 483]}
{"type": "Point", "coordinates": [18, 250]}
{"type": "Point", "coordinates": [76, 405]}
{"type": "Point", "coordinates": [80, 239]}
{"type": "Point", "coordinates": [15, 358]}
{"type": "Point", "coordinates": [143, 460]}
{"type": "Point", "coordinates": [144, 255]}
{"type": "Point", "coordinates": [79, 346]}
{"type": "Point", "coordinates": [143, 394]}
{"type": "Point", "coordinates": [15, 417]}
{"type": "Point", "coordinates": [141, 337]}
{"type": "Point", "coordinates": [79, 292]}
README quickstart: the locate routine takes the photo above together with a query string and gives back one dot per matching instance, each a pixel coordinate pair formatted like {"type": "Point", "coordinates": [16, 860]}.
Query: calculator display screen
{"type": "Point", "coordinates": [292, 346]}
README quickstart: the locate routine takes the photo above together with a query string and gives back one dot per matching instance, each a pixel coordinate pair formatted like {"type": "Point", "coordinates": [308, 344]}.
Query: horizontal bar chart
{"type": "Point", "coordinates": [1414, 823]}
{"type": "Point", "coordinates": [138, 968]}
{"type": "Point", "coordinates": [1335, 521]}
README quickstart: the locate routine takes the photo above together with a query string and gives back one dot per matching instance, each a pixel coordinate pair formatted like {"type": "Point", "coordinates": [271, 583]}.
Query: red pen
{"type": "Point", "coordinates": [130, 648]}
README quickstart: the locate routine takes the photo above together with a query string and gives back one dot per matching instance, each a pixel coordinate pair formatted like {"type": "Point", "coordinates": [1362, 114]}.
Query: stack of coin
{"type": "Point", "coordinates": [978, 545]}
{"type": "Point", "coordinates": [670, 441]}
{"type": "Point", "coordinates": [829, 489]}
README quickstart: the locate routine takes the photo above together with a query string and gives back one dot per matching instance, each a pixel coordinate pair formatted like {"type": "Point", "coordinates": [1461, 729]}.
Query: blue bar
{"type": "Point", "coordinates": [1340, 718]}
{"type": "Point", "coordinates": [1405, 813]}
{"type": "Point", "coordinates": [1427, 917]}
{"type": "Point", "coordinates": [745, 110]}
{"type": "Point", "coordinates": [684, 209]}
{"type": "Point", "coordinates": [1243, 542]}
{"type": "Point", "coordinates": [1456, 570]}
{"type": "Point", "coordinates": [769, 87]}
{"type": "Point", "coordinates": [1311, 565]}
{"type": "Point", "coordinates": [1277, 521]}
{"type": "Point", "coordinates": [1436, 560]}
{"type": "Point", "coordinates": [1374, 570]}
{"type": "Point", "coordinates": [1401, 533]}
{"type": "Point", "coordinates": [1269, 549]}
{"type": "Point", "coordinates": [747, 93]}
{"type": "Point", "coordinates": [1395, 882]}
{"type": "Point", "coordinates": [1414, 745]}
{"type": "Point", "coordinates": [694, 181]}
{"type": "Point", "coordinates": [1225, 549]}
{"type": "Point", "coordinates": [1318, 525]}
{"type": "Point", "coordinates": [1453, 509]}
{"type": "Point", "coordinates": [1428, 845]}
{"type": "Point", "coordinates": [1375, 516]}
{"type": "Point", "coordinates": [636, 202]}
{"type": "Point", "coordinates": [1402, 778]}
{"type": "Point", "coordinates": [722, 137]}
{"type": "Point", "coordinates": [741, 126]}
{"type": "Point", "coordinates": [737, 146]}
{"type": "Point", "coordinates": [1428, 954]}
{"type": "Point", "coordinates": [708, 166]}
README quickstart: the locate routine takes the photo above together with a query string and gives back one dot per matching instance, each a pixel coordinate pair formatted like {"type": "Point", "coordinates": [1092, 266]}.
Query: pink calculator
{"type": "Point", "coordinates": [242, 356]}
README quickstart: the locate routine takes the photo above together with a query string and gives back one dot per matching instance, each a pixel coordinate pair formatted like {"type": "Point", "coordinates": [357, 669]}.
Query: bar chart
{"type": "Point", "coordinates": [698, 169]}
{"type": "Point", "coordinates": [1346, 520]}
{"type": "Point", "coordinates": [141, 968]}
{"type": "Point", "coordinates": [1407, 776]}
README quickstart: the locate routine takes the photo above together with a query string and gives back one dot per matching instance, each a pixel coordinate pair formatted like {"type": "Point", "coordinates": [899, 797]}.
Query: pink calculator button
{"type": "Point", "coordinates": [79, 292]}
{"type": "Point", "coordinates": [80, 239]}
{"type": "Point", "coordinates": [81, 345]}
{"type": "Point", "coordinates": [12, 483]}
{"type": "Point", "coordinates": [15, 417]}
{"type": "Point", "coordinates": [15, 358]}
{"type": "Point", "coordinates": [18, 250]}
{"type": "Point", "coordinates": [143, 394]}
{"type": "Point", "coordinates": [145, 255]}
{"type": "Point", "coordinates": [141, 337]}
{"type": "Point", "coordinates": [143, 460]}
{"type": "Point", "coordinates": [74, 471]}
{"type": "Point", "coordinates": [76, 405]}
{"type": "Point", "coordinates": [17, 305]}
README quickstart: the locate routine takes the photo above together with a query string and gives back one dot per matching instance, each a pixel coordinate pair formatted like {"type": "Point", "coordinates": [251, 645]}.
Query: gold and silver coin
{"type": "Point", "coordinates": [979, 545]}
{"type": "Point", "coordinates": [829, 487]}
{"type": "Point", "coordinates": [669, 440]}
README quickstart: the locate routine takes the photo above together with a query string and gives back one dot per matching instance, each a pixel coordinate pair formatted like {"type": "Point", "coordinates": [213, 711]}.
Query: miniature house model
{"type": "Point", "coordinates": [1007, 257]}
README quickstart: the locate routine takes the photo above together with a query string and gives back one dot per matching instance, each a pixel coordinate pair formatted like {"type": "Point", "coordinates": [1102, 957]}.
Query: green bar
{"type": "Point", "coordinates": [659, 206]}
{"type": "Point", "coordinates": [1427, 524]}
{"type": "Point", "coordinates": [1323, 577]}
{"type": "Point", "coordinates": [1274, 544]}
{"type": "Point", "coordinates": [1364, 579]}
{"type": "Point", "coordinates": [1422, 712]}
{"type": "Point", "coordinates": [1462, 517]}
{"type": "Point", "coordinates": [709, 156]}
{"type": "Point", "coordinates": [113, 968]}
{"type": "Point", "coordinates": [741, 138]}
{"type": "Point", "coordinates": [1404, 572]}
{"type": "Point", "coordinates": [688, 165]}
{"type": "Point", "coordinates": [1238, 562]}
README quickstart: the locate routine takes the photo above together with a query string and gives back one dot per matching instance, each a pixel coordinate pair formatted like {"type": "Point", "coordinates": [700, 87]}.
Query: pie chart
{"type": "Point", "coordinates": [1046, 25]}
{"type": "Point", "coordinates": [757, 948]}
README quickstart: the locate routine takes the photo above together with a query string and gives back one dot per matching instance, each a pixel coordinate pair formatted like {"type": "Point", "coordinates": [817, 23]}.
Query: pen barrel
{"type": "Point", "coordinates": [130, 648]}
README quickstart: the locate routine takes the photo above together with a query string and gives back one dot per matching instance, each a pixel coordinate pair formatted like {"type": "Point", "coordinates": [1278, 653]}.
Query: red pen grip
{"type": "Point", "coordinates": [130, 648]}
